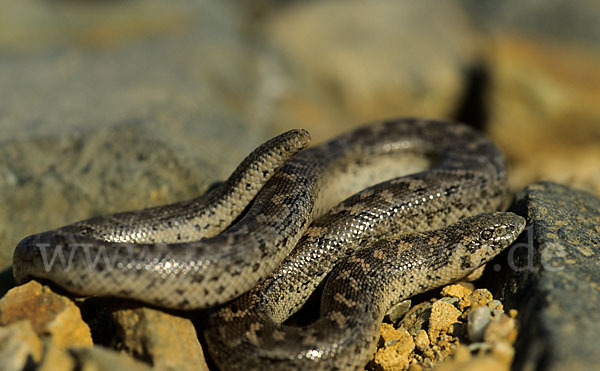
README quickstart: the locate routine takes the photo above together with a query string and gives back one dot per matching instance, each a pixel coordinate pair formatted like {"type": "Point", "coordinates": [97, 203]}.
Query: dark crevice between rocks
{"type": "Point", "coordinates": [199, 319]}
{"type": "Point", "coordinates": [473, 108]}
{"type": "Point", "coordinates": [7, 281]}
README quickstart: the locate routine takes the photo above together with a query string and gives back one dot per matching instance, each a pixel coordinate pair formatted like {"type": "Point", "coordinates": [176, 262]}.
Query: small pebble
{"type": "Point", "coordinates": [395, 356]}
{"type": "Point", "coordinates": [398, 310]}
{"type": "Point", "coordinates": [500, 328]}
{"type": "Point", "coordinates": [443, 315]}
{"type": "Point", "coordinates": [478, 320]}
{"type": "Point", "coordinates": [480, 297]}
{"type": "Point", "coordinates": [495, 304]}
{"type": "Point", "coordinates": [422, 340]}
{"type": "Point", "coordinates": [458, 290]}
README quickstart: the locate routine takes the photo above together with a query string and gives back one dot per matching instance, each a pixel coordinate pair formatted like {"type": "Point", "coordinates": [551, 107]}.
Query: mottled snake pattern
{"type": "Point", "coordinates": [258, 244]}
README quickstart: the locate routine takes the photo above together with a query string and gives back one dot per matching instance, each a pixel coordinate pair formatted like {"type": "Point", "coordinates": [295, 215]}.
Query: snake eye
{"type": "Point", "coordinates": [486, 235]}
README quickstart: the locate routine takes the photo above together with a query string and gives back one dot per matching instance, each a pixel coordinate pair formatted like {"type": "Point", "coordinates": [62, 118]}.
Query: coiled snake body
{"type": "Point", "coordinates": [187, 255]}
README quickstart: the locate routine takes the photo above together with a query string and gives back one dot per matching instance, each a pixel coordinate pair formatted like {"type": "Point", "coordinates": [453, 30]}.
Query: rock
{"type": "Point", "coordinates": [551, 277]}
{"type": "Point", "coordinates": [478, 320]}
{"type": "Point", "coordinates": [479, 297]}
{"type": "Point", "coordinates": [397, 311]}
{"type": "Point", "coordinates": [422, 340]}
{"type": "Point", "coordinates": [56, 358]}
{"type": "Point", "coordinates": [458, 290]}
{"type": "Point", "coordinates": [500, 328]}
{"type": "Point", "coordinates": [164, 340]}
{"type": "Point", "coordinates": [537, 87]}
{"type": "Point", "coordinates": [488, 363]}
{"type": "Point", "coordinates": [99, 358]}
{"type": "Point", "coordinates": [442, 316]}
{"type": "Point", "coordinates": [417, 318]}
{"type": "Point", "coordinates": [350, 61]}
{"type": "Point", "coordinates": [552, 19]}
{"type": "Point", "coordinates": [540, 87]}
{"type": "Point", "coordinates": [122, 106]}
{"type": "Point", "coordinates": [50, 314]}
{"type": "Point", "coordinates": [398, 346]}
{"type": "Point", "coordinates": [503, 351]}
{"type": "Point", "coordinates": [20, 347]}
{"type": "Point", "coordinates": [446, 331]}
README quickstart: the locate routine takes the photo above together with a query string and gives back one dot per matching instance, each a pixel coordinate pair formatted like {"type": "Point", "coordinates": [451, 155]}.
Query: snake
{"type": "Point", "coordinates": [385, 211]}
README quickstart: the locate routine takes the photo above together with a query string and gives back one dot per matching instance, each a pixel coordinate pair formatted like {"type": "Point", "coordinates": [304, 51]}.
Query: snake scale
{"type": "Point", "coordinates": [259, 243]}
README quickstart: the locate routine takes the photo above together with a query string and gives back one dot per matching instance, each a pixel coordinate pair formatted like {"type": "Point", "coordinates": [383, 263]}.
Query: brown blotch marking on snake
{"type": "Point", "coordinates": [228, 314]}
{"type": "Point", "coordinates": [253, 331]}
{"type": "Point", "coordinates": [378, 254]}
{"type": "Point", "coordinates": [339, 318]}
{"type": "Point", "coordinates": [340, 298]}
{"type": "Point", "coordinates": [363, 264]}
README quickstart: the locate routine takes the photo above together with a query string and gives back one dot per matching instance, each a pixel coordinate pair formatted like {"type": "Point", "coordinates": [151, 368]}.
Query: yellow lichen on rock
{"type": "Point", "coordinates": [458, 290]}
{"type": "Point", "coordinates": [443, 315]}
{"type": "Point", "coordinates": [50, 314]}
{"type": "Point", "coordinates": [398, 346]}
{"type": "Point", "coordinates": [466, 329]}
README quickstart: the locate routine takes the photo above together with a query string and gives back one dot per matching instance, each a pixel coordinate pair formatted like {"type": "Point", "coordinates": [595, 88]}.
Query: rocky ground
{"type": "Point", "coordinates": [108, 106]}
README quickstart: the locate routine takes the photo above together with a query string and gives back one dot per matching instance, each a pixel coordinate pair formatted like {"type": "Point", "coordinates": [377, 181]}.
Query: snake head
{"type": "Point", "coordinates": [486, 235]}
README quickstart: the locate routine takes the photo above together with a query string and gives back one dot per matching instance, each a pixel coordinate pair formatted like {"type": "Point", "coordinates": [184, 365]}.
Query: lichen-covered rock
{"type": "Point", "coordinates": [165, 340]}
{"type": "Point", "coordinates": [49, 314]}
{"type": "Point", "coordinates": [552, 278]}
{"type": "Point", "coordinates": [442, 316]}
{"type": "Point", "coordinates": [458, 290]}
{"type": "Point", "coordinates": [397, 346]}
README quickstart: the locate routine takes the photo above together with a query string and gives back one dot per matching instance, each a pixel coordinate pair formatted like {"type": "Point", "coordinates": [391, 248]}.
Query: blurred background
{"type": "Point", "coordinates": [114, 105]}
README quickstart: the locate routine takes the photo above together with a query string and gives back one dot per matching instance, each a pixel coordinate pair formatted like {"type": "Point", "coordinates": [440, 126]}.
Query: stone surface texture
{"type": "Point", "coordinates": [166, 341]}
{"type": "Point", "coordinates": [553, 278]}
{"type": "Point", "coordinates": [49, 314]}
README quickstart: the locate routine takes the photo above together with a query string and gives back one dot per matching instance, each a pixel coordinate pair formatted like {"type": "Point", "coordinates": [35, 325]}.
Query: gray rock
{"type": "Point", "coordinates": [477, 322]}
{"type": "Point", "coordinates": [398, 310]}
{"type": "Point", "coordinates": [551, 276]}
{"type": "Point", "coordinates": [417, 318]}
{"type": "Point", "coordinates": [136, 113]}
